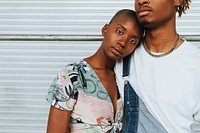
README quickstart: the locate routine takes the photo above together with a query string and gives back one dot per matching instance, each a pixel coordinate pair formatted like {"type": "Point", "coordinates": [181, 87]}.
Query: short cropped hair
{"type": "Point", "coordinates": [125, 12]}
{"type": "Point", "coordinates": [183, 7]}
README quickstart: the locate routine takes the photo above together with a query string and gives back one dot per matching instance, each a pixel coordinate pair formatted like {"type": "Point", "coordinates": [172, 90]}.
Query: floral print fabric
{"type": "Point", "coordinates": [78, 88]}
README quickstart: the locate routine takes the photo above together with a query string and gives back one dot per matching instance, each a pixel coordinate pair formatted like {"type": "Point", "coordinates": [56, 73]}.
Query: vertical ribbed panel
{"type": "Point", "coordinates": [26, 71]}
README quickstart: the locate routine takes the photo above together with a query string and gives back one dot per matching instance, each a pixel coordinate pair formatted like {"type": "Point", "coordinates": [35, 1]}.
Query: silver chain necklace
{"type": "Point", "coordinates": [164, 54]}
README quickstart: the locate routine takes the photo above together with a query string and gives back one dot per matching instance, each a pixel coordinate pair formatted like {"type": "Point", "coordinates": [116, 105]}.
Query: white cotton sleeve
{"type": "Point", "coordinates": [119, 79]}
{"type": "Point", "coordinates": [196, 124]}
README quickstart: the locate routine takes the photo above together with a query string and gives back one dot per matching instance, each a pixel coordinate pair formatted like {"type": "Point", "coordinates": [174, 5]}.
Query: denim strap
{"type": "Point", "coordinates": [136, 120]}
{"type": "Point", "coordinates": [131, 102]}
{"type": "Point", "coordinates": [126, 66]}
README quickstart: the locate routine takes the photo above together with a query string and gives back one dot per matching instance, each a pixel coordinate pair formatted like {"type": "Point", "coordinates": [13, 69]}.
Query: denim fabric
{"type": "Point", "coordinates": [137, 118]}
{"type": "Point", "coordinates": [131, 106]}
{"type": "Point", "coordinates": [146, 122]}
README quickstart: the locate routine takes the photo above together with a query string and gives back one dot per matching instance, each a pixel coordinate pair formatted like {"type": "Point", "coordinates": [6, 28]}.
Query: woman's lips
{"type": "Point", "coordinates": [117, 52]}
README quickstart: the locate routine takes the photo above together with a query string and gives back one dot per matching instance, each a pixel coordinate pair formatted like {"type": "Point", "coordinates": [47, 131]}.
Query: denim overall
{"type": "Point", "coordinates": [137, 118]}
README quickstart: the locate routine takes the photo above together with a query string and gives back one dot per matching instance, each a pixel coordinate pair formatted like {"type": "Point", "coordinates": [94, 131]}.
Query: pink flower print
{"type": "Point", "coordinates": [62, 78]}
{"type": "Point", "coordinates": [103, 121]}
{"type": "Point", "coordinates": [92, 110]}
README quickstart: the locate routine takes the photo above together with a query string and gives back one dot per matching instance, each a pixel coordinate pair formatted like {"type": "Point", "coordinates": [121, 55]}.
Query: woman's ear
{"type": "Point", "coordinates": [178, 2]}
{"type": "Point", "coordinates": [104, 29]}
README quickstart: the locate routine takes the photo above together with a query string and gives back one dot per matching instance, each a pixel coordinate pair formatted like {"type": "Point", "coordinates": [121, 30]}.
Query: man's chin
{"type": "Point", "coordinates": [144, 22]}
{"type": "Point", "coordinates": [147, 24]}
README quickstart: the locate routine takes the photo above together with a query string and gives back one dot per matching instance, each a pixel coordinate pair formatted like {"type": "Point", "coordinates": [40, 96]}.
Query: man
{"type": "Point", "coordinates": [164, 74]}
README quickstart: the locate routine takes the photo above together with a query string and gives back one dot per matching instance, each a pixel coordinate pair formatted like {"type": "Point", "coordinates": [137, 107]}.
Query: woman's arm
{"type": "Point", "coordinates": [58, 121]}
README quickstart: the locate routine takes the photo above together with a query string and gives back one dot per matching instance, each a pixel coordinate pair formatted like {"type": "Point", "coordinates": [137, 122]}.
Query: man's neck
{"type": "Point", "coordinates": [160, 41]}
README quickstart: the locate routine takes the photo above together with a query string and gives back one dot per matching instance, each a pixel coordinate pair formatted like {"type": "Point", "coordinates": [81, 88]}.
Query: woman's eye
{"type": "Point", "coordinates": [120, 32]}
{"type": "Point", "coordinates": [132, 41]}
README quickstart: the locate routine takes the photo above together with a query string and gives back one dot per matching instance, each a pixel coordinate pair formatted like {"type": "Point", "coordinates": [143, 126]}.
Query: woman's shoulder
{"type": "Point", "coordinates": [77, 66]}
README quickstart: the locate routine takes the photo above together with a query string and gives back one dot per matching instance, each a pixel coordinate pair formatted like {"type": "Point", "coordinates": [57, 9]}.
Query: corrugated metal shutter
{"type": "Point", "coordinates": [189, 23]}
{"type": "Point", "coordinates": [26, 70]}
{"type": "Point", "coordinates": [74, 17]}
{"type": "Point", "coordinates": [28, 67]}
{"type": "Point", "coordinates": [71, 17]}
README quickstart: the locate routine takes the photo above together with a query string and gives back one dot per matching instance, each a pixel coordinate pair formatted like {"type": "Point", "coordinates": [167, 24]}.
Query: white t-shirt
{"type": "Point", "coordinates": [169, 86]}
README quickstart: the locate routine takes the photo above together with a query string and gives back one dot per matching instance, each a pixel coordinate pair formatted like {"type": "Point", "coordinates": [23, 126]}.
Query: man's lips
{"type": "Point", "coordinates": [143, 11]}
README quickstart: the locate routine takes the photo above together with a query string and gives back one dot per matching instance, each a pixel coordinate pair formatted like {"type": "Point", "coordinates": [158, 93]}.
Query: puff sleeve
{"type": "Point", "coordinates": [62, 94]}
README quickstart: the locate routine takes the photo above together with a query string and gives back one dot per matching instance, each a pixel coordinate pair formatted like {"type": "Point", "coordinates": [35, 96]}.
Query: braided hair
{"type": "Point", "coordinates": [183, 7]}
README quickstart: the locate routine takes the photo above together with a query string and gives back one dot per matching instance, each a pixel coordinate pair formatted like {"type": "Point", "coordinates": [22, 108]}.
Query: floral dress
{"type": "Point", "coordinates": [77, 88]}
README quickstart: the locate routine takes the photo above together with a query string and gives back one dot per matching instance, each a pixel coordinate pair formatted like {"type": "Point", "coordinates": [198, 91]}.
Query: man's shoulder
{"type": "Point", "coordinates": [191, 45]}
{"type": "Point", "coordinates": [192, 55]}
